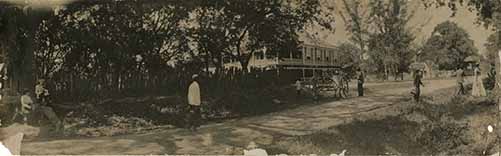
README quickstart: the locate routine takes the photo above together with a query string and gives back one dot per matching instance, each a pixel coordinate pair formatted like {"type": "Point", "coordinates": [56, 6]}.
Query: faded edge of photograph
{"type": "Point", "coordinates": [250, 77]}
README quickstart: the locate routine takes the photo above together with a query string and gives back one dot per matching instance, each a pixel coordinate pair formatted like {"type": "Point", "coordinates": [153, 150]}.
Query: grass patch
{"type": "Point", "coordinates": [449, 127]}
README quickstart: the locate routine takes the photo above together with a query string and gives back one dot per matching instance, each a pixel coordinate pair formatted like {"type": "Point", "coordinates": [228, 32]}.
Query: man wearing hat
{"type": "Point", "coordinates": [194, 102]}
{"type": "Point", "coordinates": [418, 83]}
{"type": "Point", "coordinates": [41, 92]}
{"type": "Point", "coordinates": [360, 82]}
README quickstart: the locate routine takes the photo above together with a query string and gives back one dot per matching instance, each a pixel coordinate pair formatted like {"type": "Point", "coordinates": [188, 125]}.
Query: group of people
{"type": "Point", "coordinates": [478, 89]}
{"type": "Point", "coordinates": [34, 110]}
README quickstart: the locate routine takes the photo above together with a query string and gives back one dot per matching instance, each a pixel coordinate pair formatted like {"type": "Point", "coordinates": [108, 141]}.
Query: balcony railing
{"type": "Point", "coordinates": [289, 61]}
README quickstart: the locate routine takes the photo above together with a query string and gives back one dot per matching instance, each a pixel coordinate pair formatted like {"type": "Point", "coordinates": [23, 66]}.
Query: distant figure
{"type": "Point", "coordinates": [44, 108]}
{"type": "Point", "coordinates": [361, 80]}
{"type": "Point", "coordinates": [315, 88]}
{"type": "Point", "coordinates": [492, 71]}
{"type": "Point", "coordinates": [26, 105]}
{"type": "Point", "coordinates": [460, 81]}
{"type": "Point", "coordinates": [40, 91]}
{"type": "Point", "coordinates": [418, 83]}
{"type": "Point", "coordinates": [194, 102]}
{"type": "Point", "coordinates": [478, 89]}
{"type": "Point", "coordinates": [298, 88]}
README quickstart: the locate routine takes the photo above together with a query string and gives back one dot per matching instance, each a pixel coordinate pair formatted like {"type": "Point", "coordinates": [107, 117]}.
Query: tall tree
{"type": "Point", "coordinates": [355, 17]}
{"type": "Point", "coordinates": [349, 53]}
{"type": "Point", "coordinates": [112, 42]}
{"type": "Point", "coordinates": [492, 47]}
{"type": "Point", "coordinates": [488, 14]}
{"type": "Point", "coordinates": [242, 27]}
{"type": "Point", "coordinates": [390, 40]}
{"type": "Point", "coordinates": [448, 46]}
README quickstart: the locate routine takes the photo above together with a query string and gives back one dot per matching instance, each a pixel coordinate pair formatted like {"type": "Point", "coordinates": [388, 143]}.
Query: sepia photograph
{"type": "Point", "coordinates": [250, 77]}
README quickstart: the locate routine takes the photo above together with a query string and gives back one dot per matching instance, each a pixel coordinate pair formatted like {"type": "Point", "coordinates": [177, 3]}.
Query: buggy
{"type": "Point", "coordinates": [333, 83]}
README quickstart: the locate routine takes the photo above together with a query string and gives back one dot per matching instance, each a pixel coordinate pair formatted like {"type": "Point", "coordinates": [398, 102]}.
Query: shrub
{"type": "Point", "coordinates": [442, 135]}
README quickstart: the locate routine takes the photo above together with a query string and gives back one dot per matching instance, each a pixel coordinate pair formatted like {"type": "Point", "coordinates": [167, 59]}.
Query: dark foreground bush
{"type": "Point", "coordinates": [448, 128]}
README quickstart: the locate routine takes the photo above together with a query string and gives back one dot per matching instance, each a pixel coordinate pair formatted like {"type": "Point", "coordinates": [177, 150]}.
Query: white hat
{"type": "Point", "coordinates": [194, 76]}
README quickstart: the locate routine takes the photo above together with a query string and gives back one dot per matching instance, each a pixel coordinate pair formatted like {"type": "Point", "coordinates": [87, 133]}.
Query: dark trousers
{"type": "Point", "coordinates": [360, 89]}
{"type": "Point", "coordinates": [417, 94]}
{"type": "Point", "coordinates": [461, 89]}
{"type": "Point", "coordinates": [298, 93]}
{"type": "Point", "coordinates": [194, 116]}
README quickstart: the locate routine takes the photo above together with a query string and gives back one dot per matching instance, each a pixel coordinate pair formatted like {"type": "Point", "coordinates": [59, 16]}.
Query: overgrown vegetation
{"type": "Point", "coordinates": [448, 127]}
{"type": "Point", "coordinates": [247, 96]}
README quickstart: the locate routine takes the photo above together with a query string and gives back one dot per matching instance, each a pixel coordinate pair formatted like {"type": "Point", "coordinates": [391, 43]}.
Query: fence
{"type": "Point", "coordinates": [74, 87]}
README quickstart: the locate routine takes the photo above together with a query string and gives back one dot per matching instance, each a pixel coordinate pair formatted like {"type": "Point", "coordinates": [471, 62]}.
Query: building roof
{"type": "Point", "coordinates": [307, 39]}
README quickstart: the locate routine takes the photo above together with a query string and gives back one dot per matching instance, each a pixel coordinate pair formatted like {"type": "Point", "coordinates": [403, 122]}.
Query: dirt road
{"type": "Point", "coordinates": [219, 137]}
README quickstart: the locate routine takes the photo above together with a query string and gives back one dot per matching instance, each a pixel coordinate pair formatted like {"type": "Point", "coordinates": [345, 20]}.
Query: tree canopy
{"type": "Point", "coordinates": [111, 42]}
{"type": "Point", "coordinates": [236, 29]}
{"type": "Point", "coordinates": [389, 38]}
{"type": "Point", "coordinates": [448, 46]}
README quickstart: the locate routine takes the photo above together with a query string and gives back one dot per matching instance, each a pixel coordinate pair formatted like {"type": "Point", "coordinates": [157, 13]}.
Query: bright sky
{"type": "Point", "coordinates": [430, 18]}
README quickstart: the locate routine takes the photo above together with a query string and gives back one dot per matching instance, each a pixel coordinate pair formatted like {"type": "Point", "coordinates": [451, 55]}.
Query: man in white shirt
{"type": "Point", "coordinates": [194, 102]}
{"type": "Point", "coordinates": [298, 88]}
{"type": "Point", "coordinates": [26, 104]}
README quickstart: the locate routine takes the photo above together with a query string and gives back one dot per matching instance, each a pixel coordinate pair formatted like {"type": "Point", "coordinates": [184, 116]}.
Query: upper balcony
{"type": "Point", "coordinates": [306, 62]}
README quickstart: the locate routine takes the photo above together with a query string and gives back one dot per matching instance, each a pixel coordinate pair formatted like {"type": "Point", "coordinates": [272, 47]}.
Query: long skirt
{"type": "Point", "coordinates": [478, 89]}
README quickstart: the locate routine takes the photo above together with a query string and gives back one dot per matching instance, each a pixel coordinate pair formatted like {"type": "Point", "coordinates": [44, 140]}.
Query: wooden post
{"type": "Point", "coordinates": [497, 86]}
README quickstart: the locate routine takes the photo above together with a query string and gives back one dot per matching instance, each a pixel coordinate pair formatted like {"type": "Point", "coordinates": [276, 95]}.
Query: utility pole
{"type": "Point", "coordinates": [497, 87]}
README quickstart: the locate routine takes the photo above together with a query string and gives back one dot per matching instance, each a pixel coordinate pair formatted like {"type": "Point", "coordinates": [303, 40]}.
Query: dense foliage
{"type": "Point", "coordinates": [390, 42]}
{"type": "Point", "coordinates": [381, 33]}
{"type": "Point", "coordinates": [449, 46]}
{"type": "Point", "coordinates": [488, 14]}
{"type": "Point", "coordinates": [106, 48]}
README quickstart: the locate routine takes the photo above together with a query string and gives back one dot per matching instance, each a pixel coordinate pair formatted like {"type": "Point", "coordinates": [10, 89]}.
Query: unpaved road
{"type": "Point", "coordinates": [215, 138]}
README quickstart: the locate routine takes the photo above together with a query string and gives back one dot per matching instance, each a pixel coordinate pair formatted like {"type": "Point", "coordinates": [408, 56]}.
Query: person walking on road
{"type": "Point", "coordinates": [460, 81]}
{"type": "Point", "coordinates": [478, 89]}
{"type": "Point", "coordinates": [315, 88]}
{"type": "Point", "coordinates": [361, 80]}
{"type": "Point", "coordinates": [417, 84]}
{"type": "Point", "coordinates": [298, 88]}
{"type": "Point", "coordinates": [194, 103]}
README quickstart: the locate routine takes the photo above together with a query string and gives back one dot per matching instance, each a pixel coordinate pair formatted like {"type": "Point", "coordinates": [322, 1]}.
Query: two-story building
{"type": "Point", "coordinates": [308, 60]}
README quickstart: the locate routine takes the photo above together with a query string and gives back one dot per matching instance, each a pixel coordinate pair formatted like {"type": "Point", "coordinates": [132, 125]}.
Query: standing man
{"type": "Point", "coordinates": [361, 80]}
{"type": "Point", "coordinates": [418, 83]}
{"type": "Point", "coordinates": [44, 107]}
{"type": "Point", "coordinates": [41, 92]}
{"type": "Point", "coordinates": [460, 81]}
{"type": "Point", "coordinates": [316, 94]}
{"type": "Point", "coordinates": [26, 105]}
{"type": "Point", "coordinates": [298, 88]}
{"type": "Point", "coordinates": [194, 102]}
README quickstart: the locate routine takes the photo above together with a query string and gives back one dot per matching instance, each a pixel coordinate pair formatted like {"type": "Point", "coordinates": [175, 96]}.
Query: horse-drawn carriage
{"type": "Point", "coordinates": [331, 83]}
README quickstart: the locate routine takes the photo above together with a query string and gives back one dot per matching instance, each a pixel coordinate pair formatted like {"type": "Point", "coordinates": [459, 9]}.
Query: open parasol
{"type": "Point", "coordinates": [418, 66]}
{"type": "Point", "coordinates": [472, 59]}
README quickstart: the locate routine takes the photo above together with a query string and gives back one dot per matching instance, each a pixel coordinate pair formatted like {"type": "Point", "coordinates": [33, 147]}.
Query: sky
{"type": "Point", "coordinates": [426, 19]}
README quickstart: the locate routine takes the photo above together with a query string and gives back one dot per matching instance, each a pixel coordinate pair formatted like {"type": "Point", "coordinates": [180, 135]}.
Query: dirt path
{"type": "Point", "coordinates": [218, 138]}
